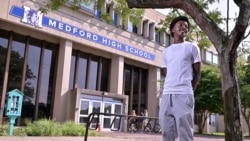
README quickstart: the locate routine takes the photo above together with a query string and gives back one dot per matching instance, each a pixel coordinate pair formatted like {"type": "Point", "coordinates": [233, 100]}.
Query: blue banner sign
{"type": "Point", "coordinates": [38, 20]}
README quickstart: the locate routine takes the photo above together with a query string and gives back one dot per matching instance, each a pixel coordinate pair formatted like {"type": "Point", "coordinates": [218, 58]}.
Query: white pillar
{"type": "Point", "coordinates": [154, 75]}
{"type": "Point", "coordinates": [139, 29]}
{"type": "Point", "coordinates": [62, 80]}
{"type": "Point", "coordinates": [163, 38]}
{"type": "Point", "coordinates": [152, 31]}
{"type": "Point", "coordinates": [125, 24]}
{"type": "Point", "coordinates": [117, 69]}
{"type": "Point", "coordinates": [145, 29]}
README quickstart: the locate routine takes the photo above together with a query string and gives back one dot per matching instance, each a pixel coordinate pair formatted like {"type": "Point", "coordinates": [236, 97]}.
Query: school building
{"type": "Point", "coordinates": [70, 63]}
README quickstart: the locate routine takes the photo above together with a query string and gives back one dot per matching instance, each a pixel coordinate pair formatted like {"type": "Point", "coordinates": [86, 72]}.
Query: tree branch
{"type": "Point", "coordinates": [237, 2]}
{"type": "Point", "coordinates": [227, 19]}
{"type": "Point", "coordinates": [246, 35]}
{"type": "Point", "coordinates": [214, 33]}
{"type": "Point", "coordinates": [237, 34]}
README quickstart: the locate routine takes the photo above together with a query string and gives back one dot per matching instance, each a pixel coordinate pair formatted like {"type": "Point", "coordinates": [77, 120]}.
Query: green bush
{"type": "Point", "coordinates": [69, 128]}
{"type": "Point", "coordinates": [19, 132]}
{"type": "Point", "coordinates": [4, 130]}
{"type": "Point", "coordinates": [43, 127]}
{"type": "Point", "coordinates": [94, 133]}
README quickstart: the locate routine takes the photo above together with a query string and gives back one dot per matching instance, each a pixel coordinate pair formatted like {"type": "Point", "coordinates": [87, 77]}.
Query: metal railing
{"type": "Point", "coordinates": [151, 126]}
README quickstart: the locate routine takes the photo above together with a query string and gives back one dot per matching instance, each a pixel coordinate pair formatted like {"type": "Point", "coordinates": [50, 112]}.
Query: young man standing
{"type": "Point", "coordinates": [181, 63]}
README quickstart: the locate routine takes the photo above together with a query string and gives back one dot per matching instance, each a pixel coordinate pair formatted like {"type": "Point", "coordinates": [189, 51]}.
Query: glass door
{"type": "Point", "coordinates": [109, 106]}
{"type": "Point", "coordinates": [84, 111]}
{"type": "Point", "coordinates": [95, 108]}
{"type": "Point", "coordinates": [88, 107]}
{"type": "Point", "coordinates": [117, 110]}
{"type": "Point", "coordinates": [114, 108]}
{"type": "Point", "coordinates": [107, 119]}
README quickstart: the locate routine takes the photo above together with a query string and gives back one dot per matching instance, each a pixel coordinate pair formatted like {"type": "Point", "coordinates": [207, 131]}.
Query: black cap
{"type": "Point", "coordinates": [175, 20]}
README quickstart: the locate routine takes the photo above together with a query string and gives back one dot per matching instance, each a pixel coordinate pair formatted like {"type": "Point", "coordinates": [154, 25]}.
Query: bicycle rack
{"type": "Point", "coordinates": [94, 115]}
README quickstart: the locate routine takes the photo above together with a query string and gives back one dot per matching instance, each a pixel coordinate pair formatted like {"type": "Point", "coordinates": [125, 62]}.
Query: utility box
{"type": "Point", "coordinates": [14, 107]}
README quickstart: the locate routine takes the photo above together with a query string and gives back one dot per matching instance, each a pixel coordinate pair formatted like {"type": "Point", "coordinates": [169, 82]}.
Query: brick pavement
{"type": "Point", "coordinates": [110, 136]}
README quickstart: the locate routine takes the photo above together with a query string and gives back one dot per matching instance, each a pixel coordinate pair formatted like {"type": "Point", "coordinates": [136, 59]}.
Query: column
{"type": "Point", "coordinates": [145, 29]}
{"type": "Point", "coordinates": [139, 28]}
{"type": "Point", "coordinates": [125, 24]}
{"type": "Point", "coordinates": [154, 75]}
{"type": "Point", "coordinates": [163, 38]}
{"type": "Point", "coordinates": [152, 31]}
{"type": "Point", "coordinates": [62, 80]}
{"type": "Point", "coordinates": [117, 69]}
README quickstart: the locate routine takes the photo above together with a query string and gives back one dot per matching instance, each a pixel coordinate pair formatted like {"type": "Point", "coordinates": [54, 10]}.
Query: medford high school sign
{"type": "Point", "coordinates": [38, 20]}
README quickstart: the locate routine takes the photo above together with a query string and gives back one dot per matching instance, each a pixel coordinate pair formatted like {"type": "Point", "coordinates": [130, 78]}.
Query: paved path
{"type": "Point", "coordinates": [111, 136]}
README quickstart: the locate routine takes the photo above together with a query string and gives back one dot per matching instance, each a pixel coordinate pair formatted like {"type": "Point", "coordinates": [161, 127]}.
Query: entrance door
{"type": "Point", "coordinates": [110, 106]}
{"type": "Point", "coordinates": [84, 111]}
{"type": "Point", "coordinates": [117, 110]}
{"type": "Point", "coordinates": [95, 108]}
{"type": "Point", "coordinates": [114, 108]}
{"type": "Point", "coordinates": [88, 107]}
{"type": "Point", "coordinates": [107, 108]}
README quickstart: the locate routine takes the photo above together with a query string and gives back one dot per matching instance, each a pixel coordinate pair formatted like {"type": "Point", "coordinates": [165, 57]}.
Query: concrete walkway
{"type": "Point", "coordinates": [110, 136]}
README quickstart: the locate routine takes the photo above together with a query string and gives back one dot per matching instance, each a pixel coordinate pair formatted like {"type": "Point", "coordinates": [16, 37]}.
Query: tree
{"type": "Point", "coordinates": [226, 44]}
{"type": "Point", "coordinates": [207, 96]}
{"type": "Point", "coordinates": [120, 6]}
{"type": "Point", "coordinates": [244, 77]}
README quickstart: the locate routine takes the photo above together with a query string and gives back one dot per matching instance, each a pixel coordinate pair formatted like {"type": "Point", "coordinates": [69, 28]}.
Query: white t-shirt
{"type": "Point", "coordinates": [178, 59]}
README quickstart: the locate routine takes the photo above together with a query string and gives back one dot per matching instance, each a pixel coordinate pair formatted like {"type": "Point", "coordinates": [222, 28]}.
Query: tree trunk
{"type": "Point", "coordinates": [246, 116]}
{"type": "Point", "coordinates": [227, 52]}
{"type": "Point", "coordinates": [231, 97]}
{"type": "Point", "coordinates": [248, 126]}
{"type": "Point", "coordinates": [200, 122]}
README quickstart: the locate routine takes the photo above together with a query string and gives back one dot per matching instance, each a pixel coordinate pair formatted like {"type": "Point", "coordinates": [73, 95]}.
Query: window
{"type": "Point", "coordinates": [84, 111]}
{"type": "Point", "coordinates": [157, 36]}
{"type": "Point", "coordinates": [84, 5]}
{"type": "Point", "coordinates": [98, 13]}
{"type": "Point", "coordinates": [167, 40]}
{"type": "Point", "coordinates": [108, 9]}
{"type": "Point", "coordinates": [212, 119]}
{"type": "Point", "coordinates": [215, 59]}
{"type": "Point", "coordinates": [135, 29]}
{"type": "Point", "coordinates": [88, 6]}
{"type": "Point", "coordinates": [31, 71]}
{"type": "Point", "coordinates": [211, 57]}
{"type": "Point", "coordinates": [137, 79]}
{"type": "Point", "coordinates": [115, 21]}
{"type": "Point", "coordinates": [105, 74]}
{"type": "Point", "coordinates": [82, 70]}
{"type": "Point", "coordinates": [132, 28]}
{"type": "Point", "coordinates": [93, 73]}
{"type": "Point", "coordinates": [89, 71]}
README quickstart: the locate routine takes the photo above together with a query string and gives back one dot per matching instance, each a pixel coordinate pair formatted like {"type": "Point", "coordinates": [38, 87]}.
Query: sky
{"type": "Point", "coordinates": [221, 6]}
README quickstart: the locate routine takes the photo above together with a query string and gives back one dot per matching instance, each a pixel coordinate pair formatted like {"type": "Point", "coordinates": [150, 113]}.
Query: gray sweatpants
{"type": "Point", "coordinates": [176, 117]}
